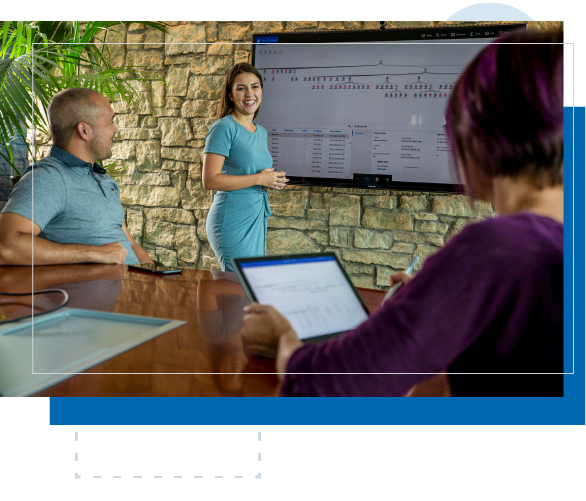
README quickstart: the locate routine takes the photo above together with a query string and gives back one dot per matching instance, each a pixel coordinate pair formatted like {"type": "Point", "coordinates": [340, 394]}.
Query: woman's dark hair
{"type": "Point", "coordinates": [505, 115]}
{"type": "Point", "coordinates": [226, 105]}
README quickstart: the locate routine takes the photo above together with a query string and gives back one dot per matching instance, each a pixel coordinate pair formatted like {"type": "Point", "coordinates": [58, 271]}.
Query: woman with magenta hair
{"type": "Point", "coordinates": [491, 301]}
{"type": "Point", "coordinates": [237, 163]}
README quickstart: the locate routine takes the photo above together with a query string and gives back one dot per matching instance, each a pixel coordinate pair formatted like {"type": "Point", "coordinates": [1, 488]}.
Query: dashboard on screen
{"type": "Point", "coordinates": [365, 108]}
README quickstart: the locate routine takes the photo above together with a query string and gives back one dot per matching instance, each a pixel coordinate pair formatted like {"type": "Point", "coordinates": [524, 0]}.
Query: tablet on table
{"type": "Point", "coordinates": [311, 290]}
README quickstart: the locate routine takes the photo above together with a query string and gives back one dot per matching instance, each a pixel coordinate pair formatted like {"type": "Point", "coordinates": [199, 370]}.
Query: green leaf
{"type": "Point", "coordinates": [56, 31]}
{"type": "Point", "coordinates": [115, 168]}
{"type": "Point", "coordinates": [40, 58]}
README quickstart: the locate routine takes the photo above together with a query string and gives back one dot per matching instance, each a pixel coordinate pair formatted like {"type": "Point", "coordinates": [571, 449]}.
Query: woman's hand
{"type": "Point", "coordinates": [270, 178]}
{"type": "Point", "coordinates": [400, 276]}
{"type": "Point", "coordinates": [263, 328]}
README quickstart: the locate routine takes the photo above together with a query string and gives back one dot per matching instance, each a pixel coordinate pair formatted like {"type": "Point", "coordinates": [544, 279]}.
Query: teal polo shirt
{"type": "Point", "coordinates": [72, 201]}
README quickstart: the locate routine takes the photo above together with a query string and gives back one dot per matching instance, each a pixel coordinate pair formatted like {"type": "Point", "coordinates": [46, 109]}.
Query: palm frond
{"type": "Point", "coordinates": [24, 82]}
{"type": "Point", "coordinates": [115, 168]}
{"type": "Point", "coordinates": [40, 58]}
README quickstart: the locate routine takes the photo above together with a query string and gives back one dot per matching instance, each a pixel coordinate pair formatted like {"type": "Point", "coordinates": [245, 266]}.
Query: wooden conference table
{"type": "Point", "coordinates": [203, 358]}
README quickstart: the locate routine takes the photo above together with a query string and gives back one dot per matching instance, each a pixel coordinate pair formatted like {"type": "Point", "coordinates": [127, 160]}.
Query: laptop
{"type": "Point", "coordinates": [311, 290]}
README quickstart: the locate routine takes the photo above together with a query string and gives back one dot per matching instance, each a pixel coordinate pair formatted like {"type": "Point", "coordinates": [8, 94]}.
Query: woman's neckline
{"type": "Point", "coordinates": [249, 131]}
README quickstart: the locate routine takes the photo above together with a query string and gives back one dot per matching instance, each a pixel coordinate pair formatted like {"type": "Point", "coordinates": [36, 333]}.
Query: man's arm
{"type": "Point", "coordinates": [18, 236]}
{"type": "Point", "coordinates": [141, 254]}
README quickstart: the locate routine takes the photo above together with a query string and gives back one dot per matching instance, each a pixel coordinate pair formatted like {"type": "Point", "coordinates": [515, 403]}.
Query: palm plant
{"type": "Point", "coordinates": [40, 58]}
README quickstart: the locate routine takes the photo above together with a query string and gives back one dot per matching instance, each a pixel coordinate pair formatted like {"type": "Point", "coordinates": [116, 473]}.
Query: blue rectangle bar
{"type": "Point", "coordinates": [267, 39]}
{"type": "Point", "coordinates": [314, 411]}
{"type": "Point", "coordinates": [569, 237]}
{"type": "Point", "coordinates": [278, 262]}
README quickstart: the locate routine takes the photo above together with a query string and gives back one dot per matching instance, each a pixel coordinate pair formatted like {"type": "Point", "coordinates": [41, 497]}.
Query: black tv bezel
{"type": "Point", "coordinates": [381, 35]}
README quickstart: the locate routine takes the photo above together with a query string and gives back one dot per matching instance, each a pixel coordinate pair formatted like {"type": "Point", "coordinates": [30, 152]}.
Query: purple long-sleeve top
{"type": "Point", "coordinates": [490, 301]}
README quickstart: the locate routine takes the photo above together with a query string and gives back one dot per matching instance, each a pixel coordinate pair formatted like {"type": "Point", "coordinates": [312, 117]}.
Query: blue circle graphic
{"type": "Point", "coordinates": [489, 12]}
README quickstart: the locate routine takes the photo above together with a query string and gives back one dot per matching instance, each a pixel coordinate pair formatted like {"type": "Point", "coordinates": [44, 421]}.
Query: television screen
{"type": "Point", "coordinates": [365, 108]}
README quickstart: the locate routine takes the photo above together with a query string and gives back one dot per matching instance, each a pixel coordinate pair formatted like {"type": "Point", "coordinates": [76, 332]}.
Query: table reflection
{"type": "Point", "coordinates": [220, 300]}
{"type": "Point", "coordinates": [16, 307]}
{"type": "Point", "coordinates": [93, 287]}
{"type": "Point", "coordinates": [204, 357]}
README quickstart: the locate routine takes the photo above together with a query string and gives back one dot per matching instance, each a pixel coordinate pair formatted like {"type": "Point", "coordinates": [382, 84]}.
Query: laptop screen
{"type": "Point", "coordinates": [313, 293]}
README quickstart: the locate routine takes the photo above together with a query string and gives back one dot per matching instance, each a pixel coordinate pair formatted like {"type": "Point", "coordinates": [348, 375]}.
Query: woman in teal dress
{"type": "Point", "coordinates": [237, 164]}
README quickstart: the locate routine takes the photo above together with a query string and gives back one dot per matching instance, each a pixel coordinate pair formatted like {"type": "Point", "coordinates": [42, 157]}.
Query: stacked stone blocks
{"type": "Point", "coordinates": [160, 144]}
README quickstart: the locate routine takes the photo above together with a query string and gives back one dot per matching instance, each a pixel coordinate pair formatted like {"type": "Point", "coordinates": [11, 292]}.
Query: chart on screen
{"type": "Point", "coordinates": [335, 110]}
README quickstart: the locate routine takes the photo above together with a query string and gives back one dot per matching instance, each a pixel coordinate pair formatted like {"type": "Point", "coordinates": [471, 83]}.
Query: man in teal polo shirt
{"type": "Point", "coordinates": [72, 213]}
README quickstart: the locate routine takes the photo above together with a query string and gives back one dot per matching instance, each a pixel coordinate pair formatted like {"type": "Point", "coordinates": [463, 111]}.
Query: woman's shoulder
{"type": "Point", "coordinates": [516, 226]}
{"type": "Point", "coordinates": [504, 251]}
{"type": "Point", "coordinates": [518, 236]}
{"type": "Point", "coordinates": [224, 123]}
{"type": "Point", "coordinates": [222, 131]}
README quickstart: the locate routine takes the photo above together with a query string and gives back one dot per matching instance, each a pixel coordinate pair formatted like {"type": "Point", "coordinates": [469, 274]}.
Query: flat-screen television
{"type": "Point", "coordinates": [365, 108]}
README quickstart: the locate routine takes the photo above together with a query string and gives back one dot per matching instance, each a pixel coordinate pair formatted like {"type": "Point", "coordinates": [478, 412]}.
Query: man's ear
{"type": "Point", "coordinates": [83, 130]}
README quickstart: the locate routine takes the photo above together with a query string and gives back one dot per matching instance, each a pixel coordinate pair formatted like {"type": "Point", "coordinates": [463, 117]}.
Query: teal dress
{"type": "Point", "coordinates": [237, 222]}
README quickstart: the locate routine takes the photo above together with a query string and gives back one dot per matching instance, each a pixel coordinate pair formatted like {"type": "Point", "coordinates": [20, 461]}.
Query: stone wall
{"type": "Point", "coordinates": [374, 232]}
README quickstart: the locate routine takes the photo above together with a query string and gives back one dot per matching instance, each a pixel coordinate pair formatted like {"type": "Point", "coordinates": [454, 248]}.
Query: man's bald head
{"type": "Point", "coordinates": [70, 107]}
